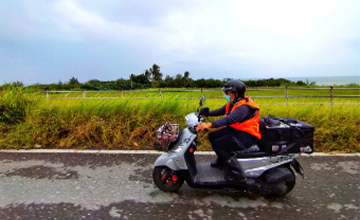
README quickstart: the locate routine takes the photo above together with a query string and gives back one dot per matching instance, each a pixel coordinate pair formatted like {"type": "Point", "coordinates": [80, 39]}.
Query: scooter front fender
{"type": "Point", "coordinates": [175, 157]}
{"type": "Point", "coordinates": [166, 160]}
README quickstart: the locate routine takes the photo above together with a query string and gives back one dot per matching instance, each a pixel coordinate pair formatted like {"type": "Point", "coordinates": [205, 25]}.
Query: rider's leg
{"type": "Point", "coordinates": [212, 137]}
{"type": "Point", "coordinates": [223, 146]}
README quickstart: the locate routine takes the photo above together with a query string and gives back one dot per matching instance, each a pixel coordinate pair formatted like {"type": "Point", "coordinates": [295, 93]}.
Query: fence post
{"type": "Point", "coordinates": [47, 94]}
{"type": "Point", "coordinates": [331, 96]}
{"type": "Point", "coordinates": [287, 96]}
{"type": "Point", "coordinates": [201, 92]}
{"type": "Point", "coordinates": [83, 94]}
{"type": "Point", "coordinates": [160, 93]}
{"type": "Point", "coordinates": [121, 93]}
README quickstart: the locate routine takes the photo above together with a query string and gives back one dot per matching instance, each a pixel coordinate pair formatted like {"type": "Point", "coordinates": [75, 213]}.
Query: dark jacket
{"type": "Point", "coordinates": [240, 114]}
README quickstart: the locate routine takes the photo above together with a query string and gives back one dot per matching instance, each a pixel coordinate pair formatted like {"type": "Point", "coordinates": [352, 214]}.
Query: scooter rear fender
{"type": "Point", "coordinates": [280, 174]}
{"type": "Point", "coordinates": [297, 167]}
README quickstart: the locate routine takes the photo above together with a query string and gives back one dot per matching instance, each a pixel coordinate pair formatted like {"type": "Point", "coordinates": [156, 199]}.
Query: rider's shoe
{"type": "Point", "coordinates": [216, 163]}
{"type": "Point", "coordinates": [234, 171]}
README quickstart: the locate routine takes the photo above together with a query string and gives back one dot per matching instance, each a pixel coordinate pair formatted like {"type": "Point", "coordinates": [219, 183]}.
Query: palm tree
{"type": "Point", "coordinates": [147, 74]}
{"type": "Point", "coordinates": [155, 72]}
{"type": "Point", "coordinates": [186, 79]}
{"type": "Point", "coordinates": [186, 75]}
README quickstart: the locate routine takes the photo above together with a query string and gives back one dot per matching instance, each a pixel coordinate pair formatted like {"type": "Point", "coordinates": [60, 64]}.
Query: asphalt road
{"type": "Point", "coordinates": [119, 186]}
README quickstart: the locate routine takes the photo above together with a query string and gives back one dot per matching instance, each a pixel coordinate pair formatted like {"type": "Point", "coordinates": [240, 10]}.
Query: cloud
{"type": "Point", "coordinates": [87, 39]}
{"type": "Point", "coordinates": [283, 17]}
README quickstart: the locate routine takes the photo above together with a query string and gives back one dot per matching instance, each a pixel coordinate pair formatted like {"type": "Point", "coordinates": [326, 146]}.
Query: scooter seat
{"type": "Point", "coordinates": [253, 151]}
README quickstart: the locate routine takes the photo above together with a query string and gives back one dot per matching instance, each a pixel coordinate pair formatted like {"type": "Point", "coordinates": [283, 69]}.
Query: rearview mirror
{"type": "Point", "coordinates": [204, 111]}
{"type": "Point", "coordinates": [202, 101]}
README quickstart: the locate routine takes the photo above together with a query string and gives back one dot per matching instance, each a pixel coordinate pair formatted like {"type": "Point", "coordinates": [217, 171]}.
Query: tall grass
{"type": "Point", "coordinates": [15, 103]}
{"type": "Point", "coordinates": [131, 124]}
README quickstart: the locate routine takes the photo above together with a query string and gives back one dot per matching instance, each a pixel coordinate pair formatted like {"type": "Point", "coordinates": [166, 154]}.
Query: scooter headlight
{"type": "Point", "coordinates": [178, 149]}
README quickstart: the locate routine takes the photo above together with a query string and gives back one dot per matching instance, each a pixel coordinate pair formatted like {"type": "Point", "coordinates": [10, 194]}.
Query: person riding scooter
{"type": "Point", "coordinates": [240, 129]}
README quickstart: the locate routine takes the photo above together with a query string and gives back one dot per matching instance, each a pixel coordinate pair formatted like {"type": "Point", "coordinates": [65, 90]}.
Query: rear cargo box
{"type": "Point", "coordinates": [286, 135]}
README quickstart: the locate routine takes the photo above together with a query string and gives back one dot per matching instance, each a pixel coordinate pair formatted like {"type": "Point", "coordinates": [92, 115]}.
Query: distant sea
{"type": "Point", "coordinates": [322, 80]}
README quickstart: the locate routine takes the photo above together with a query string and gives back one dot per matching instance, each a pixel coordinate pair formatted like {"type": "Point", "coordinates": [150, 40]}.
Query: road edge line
{"type": "Point", "coordinates": [316, 154]}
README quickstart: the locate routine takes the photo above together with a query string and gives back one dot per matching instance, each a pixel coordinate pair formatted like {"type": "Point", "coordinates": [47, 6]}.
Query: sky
{"type": "Point", "coordinates": [51, 41]}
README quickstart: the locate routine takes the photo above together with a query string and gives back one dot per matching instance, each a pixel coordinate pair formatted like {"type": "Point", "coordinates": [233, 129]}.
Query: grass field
{"type": "Point", "coordinates": [131, 123]}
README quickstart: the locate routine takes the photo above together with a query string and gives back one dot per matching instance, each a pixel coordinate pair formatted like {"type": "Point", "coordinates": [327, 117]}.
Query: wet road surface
{"type": "Point", "coordinates": [119, 186]}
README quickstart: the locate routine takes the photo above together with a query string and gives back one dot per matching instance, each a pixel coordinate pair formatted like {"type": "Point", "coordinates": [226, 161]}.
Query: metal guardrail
{"type": "Point", "coordinates": [287, 97]}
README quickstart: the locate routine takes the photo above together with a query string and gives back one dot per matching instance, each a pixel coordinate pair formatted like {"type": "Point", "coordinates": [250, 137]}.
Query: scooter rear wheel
{"type": "Point", "coordinates": [288, 184]}
{"type": "Point", "coordinates": [167, 179]}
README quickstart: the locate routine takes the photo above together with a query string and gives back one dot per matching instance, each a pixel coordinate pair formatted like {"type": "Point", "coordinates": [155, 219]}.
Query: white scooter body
{"type": "Point", "coordinates": [267, 174]}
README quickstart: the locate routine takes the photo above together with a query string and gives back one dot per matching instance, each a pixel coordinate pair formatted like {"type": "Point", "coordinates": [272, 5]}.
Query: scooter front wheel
{"type": "Point", "coordinates": [167, 179]}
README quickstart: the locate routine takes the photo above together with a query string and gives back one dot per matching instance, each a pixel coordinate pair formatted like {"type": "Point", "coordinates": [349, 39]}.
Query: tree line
{"type": "Point", "coordinates": [154, 78]}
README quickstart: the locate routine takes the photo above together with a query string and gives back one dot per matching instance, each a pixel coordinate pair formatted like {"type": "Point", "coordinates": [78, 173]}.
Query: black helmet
{"type": "Point", "coordinates": [235, 86]}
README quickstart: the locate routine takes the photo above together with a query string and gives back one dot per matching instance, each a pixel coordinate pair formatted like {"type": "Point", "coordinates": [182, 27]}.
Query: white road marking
{"type": "Point", "coordinates": [316, 154]}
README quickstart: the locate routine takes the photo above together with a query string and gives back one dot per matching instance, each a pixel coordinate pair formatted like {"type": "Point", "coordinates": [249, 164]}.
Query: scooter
{"type": "Point", "coordinates": [267, 174]}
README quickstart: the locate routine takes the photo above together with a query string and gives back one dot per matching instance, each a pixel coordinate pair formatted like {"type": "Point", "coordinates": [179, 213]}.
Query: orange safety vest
{"type": "Point", "coordinates": [251, 125]}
